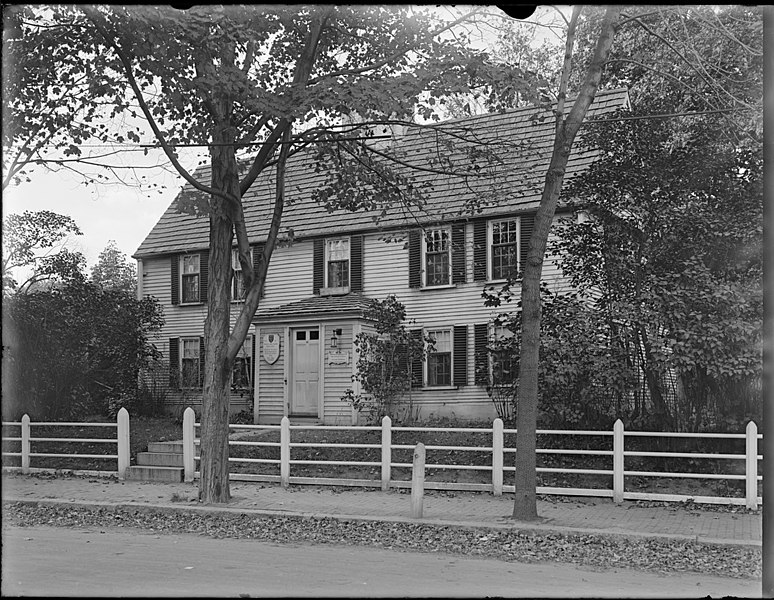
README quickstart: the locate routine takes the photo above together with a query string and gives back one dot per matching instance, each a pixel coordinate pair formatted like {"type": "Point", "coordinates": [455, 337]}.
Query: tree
{"type": "Point", "coordinates": [386, 359]}
{"type": "Point", "coordinates": [34, 242]}
{"type": "Point", "coordinates": [567, 127]}
{"type": "Point", "coordinates": [263, 84]}
{"type": "Point", "coordinates": [113, 271]}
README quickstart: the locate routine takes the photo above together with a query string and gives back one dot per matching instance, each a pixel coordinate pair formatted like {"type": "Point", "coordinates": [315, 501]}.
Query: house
{"type": "Point", "coordinates": [436, 258]}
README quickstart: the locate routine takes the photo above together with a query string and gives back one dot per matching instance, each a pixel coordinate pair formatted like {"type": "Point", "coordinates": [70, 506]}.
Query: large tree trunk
{"type": "Point", "coordinates": [213, 482]}
{"type": "Point", "coordinates": [525, 500]}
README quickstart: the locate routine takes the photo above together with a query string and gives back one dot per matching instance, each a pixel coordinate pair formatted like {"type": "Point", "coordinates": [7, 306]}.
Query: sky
{"type": "Point", "coordinates": [123, 212]}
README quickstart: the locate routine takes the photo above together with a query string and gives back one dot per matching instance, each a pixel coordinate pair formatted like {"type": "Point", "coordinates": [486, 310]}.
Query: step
{"type": "Point", "coordinates": [150, 473]}
{"type": "Point", "coordinates": [174, 447]}
{"type": "Point", "coordinates": [160, 459]}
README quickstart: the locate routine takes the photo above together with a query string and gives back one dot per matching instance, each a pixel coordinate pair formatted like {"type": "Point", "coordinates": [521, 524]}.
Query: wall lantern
{"type": "Point", "coordinates": [335, 338]}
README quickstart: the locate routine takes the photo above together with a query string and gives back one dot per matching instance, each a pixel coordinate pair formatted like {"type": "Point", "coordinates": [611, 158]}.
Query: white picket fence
{"type": "Point", "coordinates": [616, 453]}
{"type": "Point", "coordinates": [120, 441]}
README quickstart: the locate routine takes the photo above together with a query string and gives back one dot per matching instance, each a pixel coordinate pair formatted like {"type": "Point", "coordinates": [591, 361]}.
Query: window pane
{"type": "Point", "coordinates": [437, 240]}
{"type": "Point", "coordinates": [439, 369]}
{"type": "Point", "coordinates": [338, 249]}
{"type": "Point", "coordinates": [438, 269]}
{"type": "Point", "coordinates": [314, 335]}
{"type": "Point", "coordinates": [191, 264]}
{"type": "Point", "coordinates": [191, 348]}
{"type": "Point", "coordinates": [338, 273]}
{"type": "Point", "coordinates": [190, 288]}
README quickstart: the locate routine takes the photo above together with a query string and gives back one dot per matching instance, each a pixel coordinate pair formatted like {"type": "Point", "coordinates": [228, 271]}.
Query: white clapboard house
{"type": "Point", "coordinates": [300, 357]}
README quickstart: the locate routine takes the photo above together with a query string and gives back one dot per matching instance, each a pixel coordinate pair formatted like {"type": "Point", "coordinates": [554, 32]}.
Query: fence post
{"type": "Point", "coordinates": [497, 457]}
{"type": "Point", "coordinates": [285, 452]}
{"type": "Point", "coordinates": [386, 452]}
{"type": "Point", "coordinates": [751, 465]}
{"type": "Point", "coordinates": [418, 481]}
{"type": "Point", "coordinates": [618, 461]}
{"type": "Point", "coordinates": [189, 448]}
{"type": "Point", "coordinates": [123, 442]}
{"type": "Point", "coordinates": [25, 444]}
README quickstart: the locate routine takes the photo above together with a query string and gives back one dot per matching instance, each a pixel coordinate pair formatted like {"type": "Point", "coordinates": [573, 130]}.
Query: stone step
{"type": "Point", "coordinates": [150, 473]}
{"type": "Point", "coordinates": [160, 459]}
{"type": "Point", "coordinates": [175, 447]}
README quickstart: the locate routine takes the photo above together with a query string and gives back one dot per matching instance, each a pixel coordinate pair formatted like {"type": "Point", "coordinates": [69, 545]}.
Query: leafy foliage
{"type": "Point", "coordinates": [386, 358]}
{"type": "Point", "coordinates": [113, 270]}
{"type": "Point", "coordinates": [34, 242]}
{"type": "Point", "coordinates": [76, 350]}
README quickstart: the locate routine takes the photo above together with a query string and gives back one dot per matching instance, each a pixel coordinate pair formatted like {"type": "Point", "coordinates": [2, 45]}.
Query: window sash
{"type": "Point", "coordinates": [337, 257]}
{"type": "Point", "coordinates": [189, 279]}
{"type": "Point", "coordinates": [189, 363]}
{"type": "Point", "coordinates": [437, 250]}
{"type": "Point", "coordinates": [504, 249]}
{"type": "Point", "coordinates": [439, 360]}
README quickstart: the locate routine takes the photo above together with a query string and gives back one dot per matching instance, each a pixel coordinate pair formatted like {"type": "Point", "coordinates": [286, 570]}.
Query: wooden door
{"type": "Point", "coordinates": [305, 372]}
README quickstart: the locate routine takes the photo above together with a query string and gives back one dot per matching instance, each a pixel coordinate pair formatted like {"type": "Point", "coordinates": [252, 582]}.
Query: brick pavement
{"type": "Point", "coordinates": [460, 508]}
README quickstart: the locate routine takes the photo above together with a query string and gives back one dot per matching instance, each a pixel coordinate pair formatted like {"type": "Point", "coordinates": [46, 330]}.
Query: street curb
{"type": "Point", "coordinates": [511, 526]}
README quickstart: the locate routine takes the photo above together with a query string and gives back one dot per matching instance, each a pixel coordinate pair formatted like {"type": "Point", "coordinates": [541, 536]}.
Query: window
{"type": "Point", "coordinates": [504, 362]}
{"type": "Point", "coordinates": [504, 249]}
{"type": "Point", "coordinates": [189, 278]}
{"type": "Point", "coordinates": [437, 249]}
{"type": "Point", "coordinates": [337, 263]}
{"type": "Point", "coordinates": [189, 363]}
{"type": "Point", "coordinates": [439, 359]}
{"type": "Point", "coordinates": [237, 277]}
{"type": "Point", "coordinates": [242, 372]}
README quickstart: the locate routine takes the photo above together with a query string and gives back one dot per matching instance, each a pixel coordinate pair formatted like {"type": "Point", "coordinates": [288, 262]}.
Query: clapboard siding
{"type": "Point", "coordinates": [337, 377]}
{"type": "Point", "coordinates": [270, 384]}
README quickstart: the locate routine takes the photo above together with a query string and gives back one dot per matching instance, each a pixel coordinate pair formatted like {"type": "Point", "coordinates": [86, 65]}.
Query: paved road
{"type": "Point", "coordinates": [116, 562]}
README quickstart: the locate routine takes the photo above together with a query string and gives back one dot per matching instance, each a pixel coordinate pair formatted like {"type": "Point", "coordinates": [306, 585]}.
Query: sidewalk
{"type": "Point", "coordinates": [574, 515]}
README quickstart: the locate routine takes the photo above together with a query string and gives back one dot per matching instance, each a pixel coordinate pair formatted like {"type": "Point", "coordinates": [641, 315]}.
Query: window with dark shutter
{"type": "Point", "coordinates": [458, 253]}
{"type": "Point", "coordinates": [527, 227]}
{"type": "Point", "coordinates": [481, 357]}
{"type": "Point", "coordinates": [415, 258]}
{"type": "Point", "coordinates": [356, 263]}
{"type": "Point", "coordinates": [479, 250]}
{"type": "Point", "coordinates": [175, 271]}
{"type": "Point", "coordinates": [460, 354]}
{"type": "Point", "coordinates": [174, 361]}
{"type": "Point", "coordinates": [318, 264]}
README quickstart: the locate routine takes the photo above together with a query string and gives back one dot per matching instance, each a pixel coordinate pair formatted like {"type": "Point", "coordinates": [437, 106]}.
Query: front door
{"type": "Point", "coordinates": [305, 372]}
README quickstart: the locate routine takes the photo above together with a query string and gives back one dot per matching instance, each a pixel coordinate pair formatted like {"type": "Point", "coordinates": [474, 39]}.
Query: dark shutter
{"type": "Point", "coordinates": [174, 363]}
{"type": "Point", "coordinates": [415, 258]}
{"type": "Point", "coordinates": [252, 369]}
{"type": "Point", "coordinates": [460, 352]}
{"type": "Point", "coordinates": [356, 263]}
{"type": "Point", "coordinates": [318, 264]}
{"type": "Point", "coordinates": [481, 354]}
{"type": "Point", "coordinates": [257, 259]}
{"type": "Point", "coordinates": [527, 226]}
{"type": "Point", "coordinates": [416, 363]}
{"type": "Point", "coordinates": [175, 270]}
{"type": "Point", "coordinates": [201, 361]}
{"type": "Point", "coordinates": [479, 250]}
{"type": "Point", "coordinates": [204, 274]}
{"type": "Point", "coordinates": [458, 253]}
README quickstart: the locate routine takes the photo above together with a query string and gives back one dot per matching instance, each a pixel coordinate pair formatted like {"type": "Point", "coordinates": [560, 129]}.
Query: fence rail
{"type": "Point", "coordinates": [617, 454]}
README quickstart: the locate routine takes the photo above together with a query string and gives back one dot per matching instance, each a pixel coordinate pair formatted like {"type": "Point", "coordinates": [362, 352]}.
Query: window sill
{"type": "Point", "coordinates": [334, 291]}
{"type": "Point", "coordinates": [190, 303]}
{"type": "Point", "coordinates": [438, 388]}
{"type": "Point", "coordinates": [499, 281]}
{"type": "Point", "coordinates": [448, 286]}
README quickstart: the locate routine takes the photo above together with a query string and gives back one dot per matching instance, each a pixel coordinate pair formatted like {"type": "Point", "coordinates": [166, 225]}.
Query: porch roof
{"type": "Point", "coordinates": [352, 304]}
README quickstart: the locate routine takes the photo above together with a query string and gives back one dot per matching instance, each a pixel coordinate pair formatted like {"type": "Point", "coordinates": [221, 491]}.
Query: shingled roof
{"type": "Point", "coordinates": [351, 304]}
{"type": "Point", "coordinates": [521, 139]}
